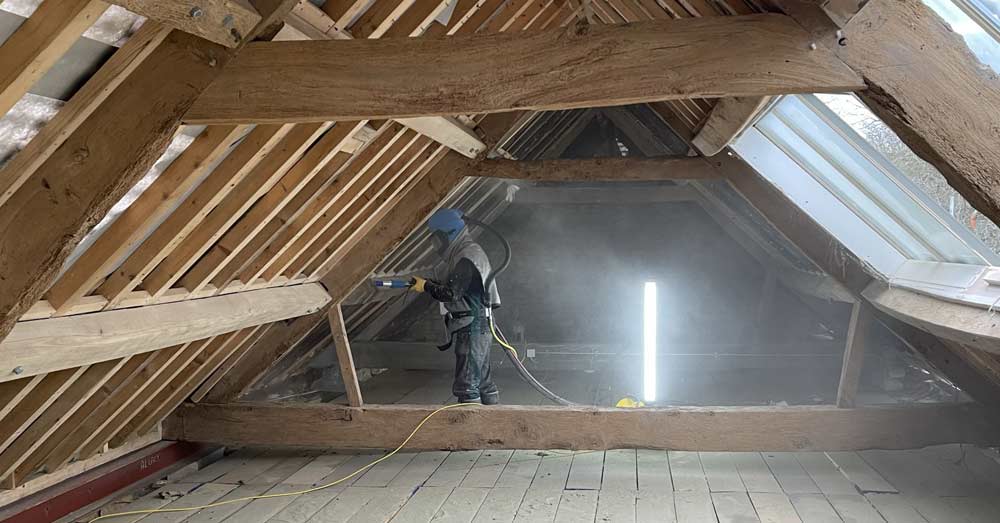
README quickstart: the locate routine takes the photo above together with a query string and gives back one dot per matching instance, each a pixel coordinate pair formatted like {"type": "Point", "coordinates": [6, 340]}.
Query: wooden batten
{"type": "Point", "coordinates": [551, 69]}
{"type": "Point", "coordinates": [40, 346]}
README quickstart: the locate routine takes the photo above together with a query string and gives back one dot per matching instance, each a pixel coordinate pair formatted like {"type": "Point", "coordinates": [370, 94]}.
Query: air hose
{"type": "Point", "coordinates": [497, 334]}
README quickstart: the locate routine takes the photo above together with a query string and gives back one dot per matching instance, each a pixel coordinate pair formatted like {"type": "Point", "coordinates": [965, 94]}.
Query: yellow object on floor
{"type": "Point", "coordinates": [628, 402]}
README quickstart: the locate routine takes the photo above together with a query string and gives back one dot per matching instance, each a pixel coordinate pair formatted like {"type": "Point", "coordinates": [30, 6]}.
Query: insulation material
{"type": "Point", "coordinates": [23, 122]}
{"type": "Point", "coordinates": [112, 28]}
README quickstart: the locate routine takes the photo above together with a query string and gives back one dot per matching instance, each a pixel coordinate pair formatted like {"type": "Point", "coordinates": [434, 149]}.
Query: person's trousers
{"type": "Point", "coordinates": [473, 376]}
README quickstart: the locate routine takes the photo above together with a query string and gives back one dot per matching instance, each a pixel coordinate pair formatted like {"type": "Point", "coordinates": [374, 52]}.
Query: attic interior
{"type": "Point", "coordinates": [753, 260]}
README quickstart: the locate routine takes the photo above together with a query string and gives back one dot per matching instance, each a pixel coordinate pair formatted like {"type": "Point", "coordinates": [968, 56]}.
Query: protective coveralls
{"type": "Point", "coordinates": [459, 286]}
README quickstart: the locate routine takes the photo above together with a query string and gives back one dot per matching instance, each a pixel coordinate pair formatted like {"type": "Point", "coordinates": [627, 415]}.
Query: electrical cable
{"type": "Point", "coordinates": [511, 351]}
{"type": "Point", "coordinates": [296, 493]}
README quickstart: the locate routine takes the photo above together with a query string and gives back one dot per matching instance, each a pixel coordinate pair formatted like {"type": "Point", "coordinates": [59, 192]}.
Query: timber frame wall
{"type": "Point", "coordinates": [269, 219]}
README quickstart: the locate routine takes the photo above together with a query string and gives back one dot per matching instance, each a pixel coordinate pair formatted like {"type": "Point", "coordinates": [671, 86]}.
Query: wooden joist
{"type": "Point", "coordinates": [513, 427]}
{"type": "Point", "coordinates": [225, 22]}
{"type": "Point", "coordinates": [40, 346]}
{"type": "Point", "coordinates": [726, 121]}
{"type": "Point", "coordinates": [552, 69]}
{"type": "Point", "coordinates": [599, 169]}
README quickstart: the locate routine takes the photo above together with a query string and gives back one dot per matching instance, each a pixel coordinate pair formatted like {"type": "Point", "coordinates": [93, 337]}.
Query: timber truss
{"type": "Point", "coordinates": [332, 133]}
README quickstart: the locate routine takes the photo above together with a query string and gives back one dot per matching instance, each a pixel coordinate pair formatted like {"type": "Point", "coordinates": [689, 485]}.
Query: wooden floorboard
{"type": "Point", "coordinates": [947, 484]}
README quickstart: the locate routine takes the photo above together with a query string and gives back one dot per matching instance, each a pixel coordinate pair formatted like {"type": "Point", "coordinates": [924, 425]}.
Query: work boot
{"type": "Point", "coordinates": [491, 398]}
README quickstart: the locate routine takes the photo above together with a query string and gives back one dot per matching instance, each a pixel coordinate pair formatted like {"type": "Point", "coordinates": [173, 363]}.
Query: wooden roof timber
{"type": "Point", "coordinates": [445, 130]}
{"type": "Point", "coordinates": [794, 428]}
{"type": "Point", "coordinates": [36, 347]}
{"type": "Point", "coordinates": [553, 69]}
{"type": "Point", "coordinates": [225, 22]}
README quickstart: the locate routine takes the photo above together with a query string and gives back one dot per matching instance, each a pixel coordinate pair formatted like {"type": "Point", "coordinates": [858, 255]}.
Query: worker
{"type": "Point", "coordinates": [459, 286]}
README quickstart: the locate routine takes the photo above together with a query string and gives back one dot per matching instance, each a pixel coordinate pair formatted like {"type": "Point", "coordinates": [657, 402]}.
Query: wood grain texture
{"type": "Point", "coordinates": [726, 121]}
{"type": "Point", "coordinates": [554, 69]}
{"type": "Point", "coordinates": [504, 426]}
{"type": "Point", "coordinates": [225, 22]}
{"type": "Point", "coordinates": [927, 86]}
{"type": "Point", "coordinates": [80, 106]}
{"type": "Point", "coordinates": [344, 359]}
{"type": "Point", "coordinates": [956, 322]}
{"type": "Point", "coordinates": [79, 182]}
{"type": "Point", "coordinates": [136, 222]}
{"type": "Point", "coordinates": [599, 169]}
{"type": "Point", "coordinates": [60, 343]}
{"type": "Point", "coordinates": [39, 42]}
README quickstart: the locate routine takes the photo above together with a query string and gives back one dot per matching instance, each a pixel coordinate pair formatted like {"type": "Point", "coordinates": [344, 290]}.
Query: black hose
{"type": "Point", "coordinates": [506, 252]}
{"type": "Point", "coordinates": [521, 369]}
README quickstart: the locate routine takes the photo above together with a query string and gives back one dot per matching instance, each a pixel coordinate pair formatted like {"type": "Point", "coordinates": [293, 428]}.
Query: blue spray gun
{"type": "Point", "coordinates": [392, 284]}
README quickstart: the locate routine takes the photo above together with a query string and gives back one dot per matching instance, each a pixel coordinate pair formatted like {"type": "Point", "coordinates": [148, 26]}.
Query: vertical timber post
{"type": "Point", "coordinates": [344, 357]}
{"type": "Point", "coordinates": [854, 354]}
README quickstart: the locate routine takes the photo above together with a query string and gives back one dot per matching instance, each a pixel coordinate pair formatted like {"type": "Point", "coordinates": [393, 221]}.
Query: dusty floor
{"type": "Point", "coordinates": [946, 484]}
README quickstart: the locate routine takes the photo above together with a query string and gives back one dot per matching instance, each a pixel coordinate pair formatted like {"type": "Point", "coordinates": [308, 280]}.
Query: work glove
{"type": "Point", "coordinates": [417, 284]}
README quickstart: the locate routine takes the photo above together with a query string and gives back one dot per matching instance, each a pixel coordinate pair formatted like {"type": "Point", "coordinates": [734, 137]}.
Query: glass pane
{"type": "Point", "coordinates": [931, 183]}
{"type": "Point", "coordinates": [979, 40]}
{"type": "Point", "coordinates": [858, 176]}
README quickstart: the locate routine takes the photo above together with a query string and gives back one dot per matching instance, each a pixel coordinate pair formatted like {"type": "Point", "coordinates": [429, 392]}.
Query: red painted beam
{"type": "Point", "coordinates": [95, 484]}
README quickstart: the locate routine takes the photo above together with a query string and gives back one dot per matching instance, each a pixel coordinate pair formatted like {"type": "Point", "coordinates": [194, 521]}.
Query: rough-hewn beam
{"type": "Point", "coordinates": [727, 120]}
{"type": "Point", "coordinates": [42, 346]}
{"type": "Point", "coordinates": [225, 22]}
{"type": "Point", "coordinates": [926, 85]}
{"type": "Point", "coordinates": [513, 427]}
{"type": "Point", "coordinates": [599, 169]}
{"type": "Point", "coordinates": [963, 324]}
{"type": "Point", "coordinates": [590, 66]}
{"type": "Point", "coordinates": [99, 160]}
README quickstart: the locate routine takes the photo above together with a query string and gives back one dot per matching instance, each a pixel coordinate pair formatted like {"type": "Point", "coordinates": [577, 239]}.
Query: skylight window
{"type": "Point", "coordinates": [930, 182]}
{"type": "Point", "coordinates": [978, 21]}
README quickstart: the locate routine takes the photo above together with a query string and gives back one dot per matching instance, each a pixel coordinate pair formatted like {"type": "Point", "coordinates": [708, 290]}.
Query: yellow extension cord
{"type": "Point", "coordinates": [300, 492]}
{"type": "Point", "coordinates": [321, 487]}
